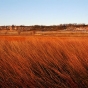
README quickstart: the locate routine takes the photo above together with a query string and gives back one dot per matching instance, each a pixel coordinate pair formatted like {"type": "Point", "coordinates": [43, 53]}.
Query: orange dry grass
{"type": "Point", "coordinates": [43, 62]}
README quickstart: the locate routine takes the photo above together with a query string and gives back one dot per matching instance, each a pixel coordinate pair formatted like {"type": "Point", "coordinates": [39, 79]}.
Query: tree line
{"type": "Point", "coordinates": [44, 27]}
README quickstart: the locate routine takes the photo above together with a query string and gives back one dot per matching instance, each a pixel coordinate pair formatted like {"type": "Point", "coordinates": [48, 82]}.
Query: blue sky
{"type": "Point", "coordinates": [43, 12]}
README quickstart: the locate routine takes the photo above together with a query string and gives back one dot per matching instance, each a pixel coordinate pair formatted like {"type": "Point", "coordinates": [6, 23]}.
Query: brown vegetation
{"type": "Point", "coordinates": [23, 28]}
{"type": "Point", "coordinates": [43, 62]}
{"type": "Point", "coordinates": [42, 29]}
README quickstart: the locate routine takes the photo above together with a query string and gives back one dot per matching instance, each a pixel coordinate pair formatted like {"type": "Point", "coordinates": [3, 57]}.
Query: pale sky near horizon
{"type": "Point", "coordinates": [43, 12]}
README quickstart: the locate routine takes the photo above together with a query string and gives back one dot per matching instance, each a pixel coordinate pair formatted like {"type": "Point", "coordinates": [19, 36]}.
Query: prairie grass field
{"type": "Point", "coordinates": [43, 62]}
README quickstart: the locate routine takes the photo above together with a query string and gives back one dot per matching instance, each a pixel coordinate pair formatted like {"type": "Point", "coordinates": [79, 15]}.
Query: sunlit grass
{"type": "Point", "coordinates": [43, 62]}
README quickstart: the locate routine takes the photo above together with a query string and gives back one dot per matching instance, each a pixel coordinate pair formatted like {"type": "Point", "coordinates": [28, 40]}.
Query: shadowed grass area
{"type": "Point", "coordinates": [43, 62]}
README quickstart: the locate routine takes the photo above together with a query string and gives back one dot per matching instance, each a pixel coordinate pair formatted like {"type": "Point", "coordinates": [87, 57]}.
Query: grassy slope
{"type": "Point", "coordinates": [43, 62]}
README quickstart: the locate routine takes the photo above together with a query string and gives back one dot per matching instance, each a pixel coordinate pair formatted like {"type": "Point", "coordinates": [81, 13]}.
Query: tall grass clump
{"type": "Point", "coordinates": [43, 62]}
